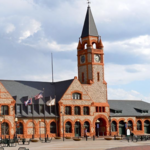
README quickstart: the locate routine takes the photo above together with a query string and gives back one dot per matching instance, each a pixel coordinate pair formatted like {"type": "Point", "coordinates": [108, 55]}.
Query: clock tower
{"type": "Point", "coordinates": [90, 53]}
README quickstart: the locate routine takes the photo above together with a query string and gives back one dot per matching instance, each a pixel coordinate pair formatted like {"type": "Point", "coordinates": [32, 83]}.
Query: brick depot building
{"type": "Point", "coordinates": [81, 102]}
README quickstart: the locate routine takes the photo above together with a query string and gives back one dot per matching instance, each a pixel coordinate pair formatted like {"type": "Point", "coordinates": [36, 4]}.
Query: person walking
{"type": "Point", "coordinates": [128, 134]}
{"type": "Point", "coordinates": [85, 132]}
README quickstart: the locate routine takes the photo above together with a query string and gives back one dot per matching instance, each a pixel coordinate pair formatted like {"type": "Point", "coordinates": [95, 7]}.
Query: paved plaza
{"type": "Point", "coordinates": [98, 144]}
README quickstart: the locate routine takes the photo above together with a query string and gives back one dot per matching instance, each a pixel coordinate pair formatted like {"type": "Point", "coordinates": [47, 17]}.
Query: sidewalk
{"type": "Point", "coordinates": [69, 144]}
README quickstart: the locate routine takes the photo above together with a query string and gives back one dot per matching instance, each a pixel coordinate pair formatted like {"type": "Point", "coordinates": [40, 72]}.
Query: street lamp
{"type": "Point", "coordinates": [40, 127]}
{"type": "Point", "coordinates": [126, 126]}
{"type": "Point", "coordinates": [63, 124]}
{"type": "Point", "coordinates": [16, 120]}
{"type": "Point", "coordinates": [109, 119]}
{"type": "Point", "coordinates": [97, 121]}
{"type": "Point", "coordinates": [78, 127]}
{"type": "Point", "coordinates": [1, 123]}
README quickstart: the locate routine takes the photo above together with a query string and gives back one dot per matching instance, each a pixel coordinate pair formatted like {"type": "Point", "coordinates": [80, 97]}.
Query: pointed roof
{"type": "Point", "coordinates": [89, 27]}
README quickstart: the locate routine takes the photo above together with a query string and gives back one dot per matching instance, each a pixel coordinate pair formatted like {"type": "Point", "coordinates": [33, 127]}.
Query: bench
{"type": "Point", "coordinates": [116, 137]}
{"type": "Point", "coordinates": [47, 140]}
{"type": "Point", "coordinates": [24, 142]}
{"type": "Point", "coordinates": [140, 137]}
{"type": "Point", "coordinates": [12, 143]}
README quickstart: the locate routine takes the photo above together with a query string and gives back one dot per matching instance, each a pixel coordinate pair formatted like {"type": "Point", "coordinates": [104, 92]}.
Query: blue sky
{"type": "Point", "coordinates": [30, 30]}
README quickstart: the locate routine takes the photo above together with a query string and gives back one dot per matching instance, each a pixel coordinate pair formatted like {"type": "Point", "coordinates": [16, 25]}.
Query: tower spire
{"type": "Point", "coordinates": [89, 27]}
{"type": "Point", "coordinates": [88, 1]}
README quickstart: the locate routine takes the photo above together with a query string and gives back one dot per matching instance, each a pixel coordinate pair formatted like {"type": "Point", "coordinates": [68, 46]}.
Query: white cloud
{"type": "Point", "coordinates": [120, 94]}
{"type": "Point", "coordinates": [139, 45]}
{"type": "Point", "coordinates": [61, 47]}
{"type": "Point", "coordinates": [9, 28]}
{"type": "Point", "coordinates": [29, 28]}
{"type": "Point", "coordinates": [124, 74]}
{"type": "Point", "coordinates": [47, 45]}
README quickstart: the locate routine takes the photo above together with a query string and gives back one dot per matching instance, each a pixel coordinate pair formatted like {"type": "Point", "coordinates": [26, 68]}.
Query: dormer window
{"type": "Point", "coordinates": [76, 96]}
{"type": "Point", "coordinates": [116, 111]}
{"type": "Point", "coordinates": [143, 111]}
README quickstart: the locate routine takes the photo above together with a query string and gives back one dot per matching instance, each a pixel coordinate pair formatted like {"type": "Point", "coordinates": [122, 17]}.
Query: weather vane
{"type": "Point", "coordinates": [88, 1]}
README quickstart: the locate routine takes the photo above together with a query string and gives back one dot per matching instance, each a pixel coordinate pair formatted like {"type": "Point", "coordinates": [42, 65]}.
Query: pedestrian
{"type": "Point", "coordinates": [85, 132]}
{"type": "Point", "coordinates": [128, 134]}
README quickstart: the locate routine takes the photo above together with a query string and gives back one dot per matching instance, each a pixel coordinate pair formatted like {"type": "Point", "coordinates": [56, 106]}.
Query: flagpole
{"type": "Point", "coordinates": [52, 67]}
{"type": "Point", "coordinates": [56, 116]}
{"type": "Point", "coordinates": [44, 114]}
{"type": "Point", "coordinates": [32, 121]}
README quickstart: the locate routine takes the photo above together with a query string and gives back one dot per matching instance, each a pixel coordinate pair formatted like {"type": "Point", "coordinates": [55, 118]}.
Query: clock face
{"type": "Point", "coordinates": [97, 58]}
{"type": "Point", "coordinates": [82, 58]}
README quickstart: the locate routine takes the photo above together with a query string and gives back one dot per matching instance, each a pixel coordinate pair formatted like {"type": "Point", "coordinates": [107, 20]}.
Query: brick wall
{"type": "Point", "coordinates": [6, 99]}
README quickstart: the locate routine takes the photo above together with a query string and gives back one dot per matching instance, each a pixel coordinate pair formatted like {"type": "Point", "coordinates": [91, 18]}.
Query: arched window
{"type": "Point", "coordinates": [4, 110]}
{"type": "Point", "coordinates": [76, 96]}
{"type": "Point", "coordinates": [68, 110]}
{"type": "Point", "coordinates": [113, 126]}
{"type": "Point", "coordinates": [5, 128]}
{"type": "Point", "coordinates": [130, 125]}
{"type": "Point", "coordinates": [19, 128]}
{"type": "Point", "coordinates": [68, 127]}
{"type": "Point", "coordinates": [53, 127]}
{"type": "Point", "coordinates": [85, 46]}
{"type": "Point", "coordinates": [77, 110]}
{"type": "Point", "coordinates": [86, 110]}
{"type": "Point", "coordinates": [122, 128]}
{"type": "Point", "coordinates": [146, 126]}
{"type": "Point", "coordinates": [87, 126]}
{"type": "Point", "coordinates": [94, 45]}
{"type": "Point", "coordinates": [139, 125]}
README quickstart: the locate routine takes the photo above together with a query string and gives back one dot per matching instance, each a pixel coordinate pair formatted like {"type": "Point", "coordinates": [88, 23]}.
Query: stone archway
{"type": "Point", "coordinates": [77, 129]}
{"type": "Point", "coordinates": [101, 121]}
{"type": "Point", "coordinates": [100, 127]}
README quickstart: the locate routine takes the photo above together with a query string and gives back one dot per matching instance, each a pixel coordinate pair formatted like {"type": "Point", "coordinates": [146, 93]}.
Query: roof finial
{"type": "Point", "coordinates": [88, 1]}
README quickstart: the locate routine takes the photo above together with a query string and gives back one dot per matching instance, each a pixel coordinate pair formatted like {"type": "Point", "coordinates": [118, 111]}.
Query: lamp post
{"type": "Point", "coordinates": [109, 119]}
{"type": "Point", "coordinates": [78, 127]}
{"type": "Point", "coordinates": [1, 124]}
{"type": "Point", "coordinates": [63, 124]}
{"type": "Point", "coordinates": [16, 120]}
{"type": "Point", "coordinates": [126, 126]}
{"type": "Point", "coordinates": [40, 127]}
{"type": "Point", "coordinates": [97, 125]}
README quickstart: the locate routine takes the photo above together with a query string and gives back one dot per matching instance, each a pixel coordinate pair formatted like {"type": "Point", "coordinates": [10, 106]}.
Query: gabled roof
{"type": "Point", "coordinates": [89, 27]}
{"type": "Point", "coordinates": [22, 90]}
{"type": "Point", "coordinates": [128, 107]}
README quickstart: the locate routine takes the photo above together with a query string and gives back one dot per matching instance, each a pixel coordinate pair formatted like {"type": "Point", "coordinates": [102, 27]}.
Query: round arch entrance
{"type": "Point", "coordinates": [122, 129]}
{"type": "Point", "coordinates": [77, 129]}
{"type": "Point", "coordinates": [100, 127]}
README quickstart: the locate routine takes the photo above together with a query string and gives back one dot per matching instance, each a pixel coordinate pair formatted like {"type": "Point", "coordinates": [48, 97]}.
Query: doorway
{"type": "Point", "coordinates": [122, 130]}
{"type": "Point", "coordinates": [100, 127]}
{"type": "Point", "coordinates": [77, 129]}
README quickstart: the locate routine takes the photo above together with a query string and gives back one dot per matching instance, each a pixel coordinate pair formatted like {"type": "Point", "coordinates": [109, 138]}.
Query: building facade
{"type": "Point", "coordinates": [81, 103]}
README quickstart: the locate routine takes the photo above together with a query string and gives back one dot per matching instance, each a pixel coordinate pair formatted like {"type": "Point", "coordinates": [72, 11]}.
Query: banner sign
{"type": "Point", "coordinates": [97, 125]}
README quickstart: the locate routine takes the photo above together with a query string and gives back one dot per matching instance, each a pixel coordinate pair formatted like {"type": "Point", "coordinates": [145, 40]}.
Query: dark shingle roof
{"type": "Point", "coordinates": [89, 27]}
{"type": "Point", "coordinates": [22, 90]}
{"type": "Point", "coordinates": [128, 107]}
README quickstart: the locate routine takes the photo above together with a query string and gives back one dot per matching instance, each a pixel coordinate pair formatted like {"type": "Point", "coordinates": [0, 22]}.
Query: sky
{"type": "Point", "coordinates": [30, 30]}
